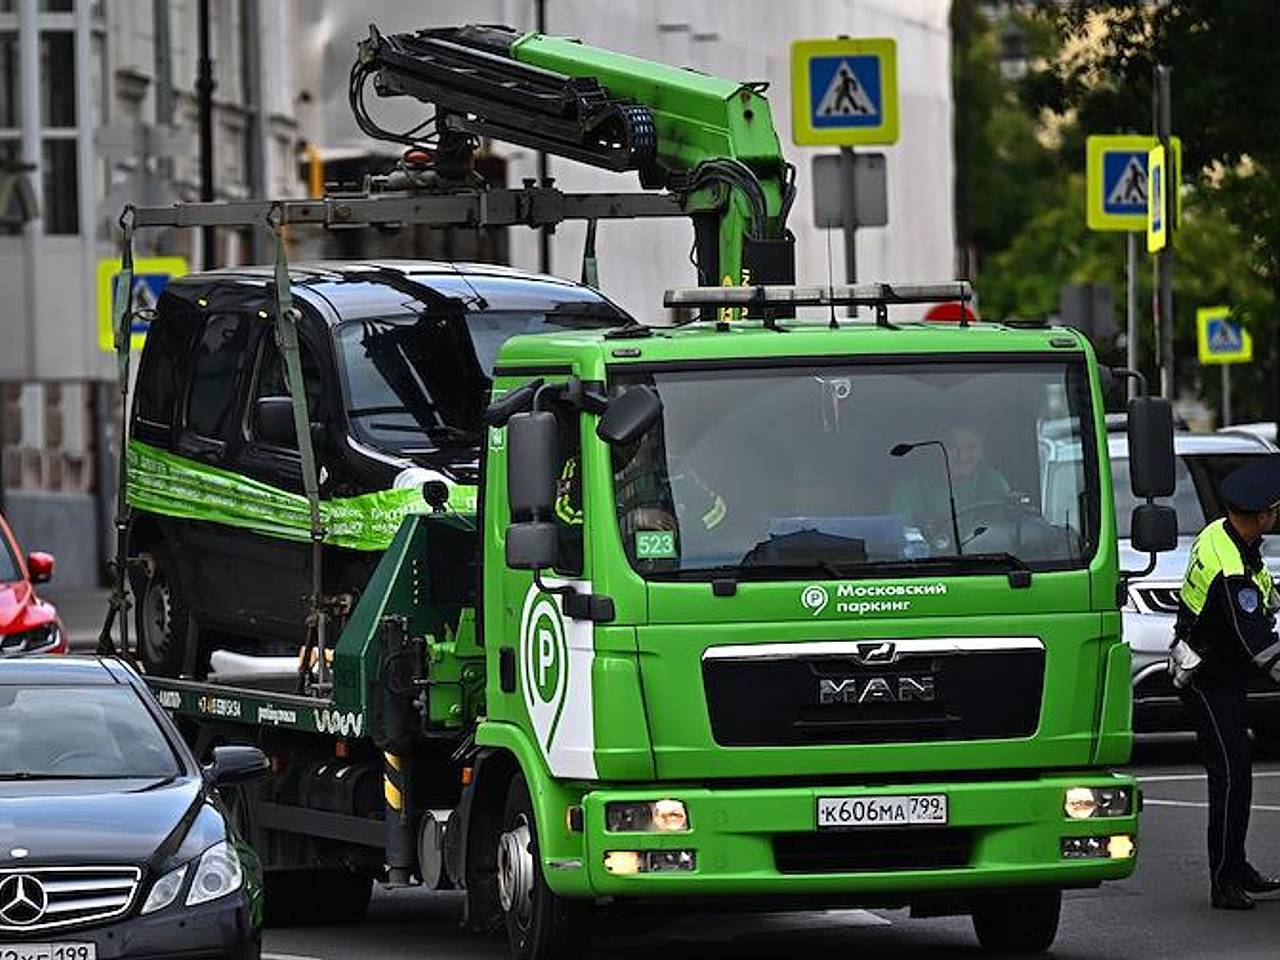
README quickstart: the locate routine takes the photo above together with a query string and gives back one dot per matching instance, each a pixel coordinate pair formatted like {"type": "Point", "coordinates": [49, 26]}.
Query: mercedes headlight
{"type": "Point", "coordinates": [164, 890]}
{"type": "Point", "coordinates": [218, 873]}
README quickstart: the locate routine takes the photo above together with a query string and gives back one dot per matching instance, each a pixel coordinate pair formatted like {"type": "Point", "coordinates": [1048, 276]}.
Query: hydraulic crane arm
{"type": "Point", "coordinates": [709, 141]}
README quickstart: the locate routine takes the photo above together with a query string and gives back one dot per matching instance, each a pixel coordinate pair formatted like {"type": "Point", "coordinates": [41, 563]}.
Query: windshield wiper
{"type": "Point", "coordinates": [1019, 571]}
{"type": "Point", "coordinates": [756, 571]}
{"type": "Point", "coordinates": [12, 775]}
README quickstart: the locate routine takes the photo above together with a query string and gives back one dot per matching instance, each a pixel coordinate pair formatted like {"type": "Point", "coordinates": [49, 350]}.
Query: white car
{"type": "Point", "coordinates": [1203, 460]}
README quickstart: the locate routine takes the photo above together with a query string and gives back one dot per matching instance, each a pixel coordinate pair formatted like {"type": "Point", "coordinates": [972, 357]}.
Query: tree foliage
{"type": "Point", "coordinates": [1095, 76]}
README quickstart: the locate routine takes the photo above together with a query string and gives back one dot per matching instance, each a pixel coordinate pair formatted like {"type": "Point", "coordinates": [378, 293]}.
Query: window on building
{"type": "Point", "coordinates": [60, 167]}
{"type": "Point", "coordinates": [215, 373]}
{"type": "Point", "coordinates": [10, 79]}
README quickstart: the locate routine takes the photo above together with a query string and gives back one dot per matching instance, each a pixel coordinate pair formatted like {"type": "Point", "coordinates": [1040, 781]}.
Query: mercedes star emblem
{"type": "Point", "coordinates": [23, 900]}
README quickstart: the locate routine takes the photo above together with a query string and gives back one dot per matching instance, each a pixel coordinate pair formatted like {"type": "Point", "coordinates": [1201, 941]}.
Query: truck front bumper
{"type": "Point", "coordinates": [751, 841]}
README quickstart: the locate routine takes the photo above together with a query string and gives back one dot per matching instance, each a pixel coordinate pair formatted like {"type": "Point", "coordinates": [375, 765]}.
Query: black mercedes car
{"type": "Point", "coordinates": [113, 841]}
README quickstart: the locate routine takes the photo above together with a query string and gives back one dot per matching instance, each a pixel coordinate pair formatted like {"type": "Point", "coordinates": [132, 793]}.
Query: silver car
{"type": "Point", "coordinates": [1203, 461]}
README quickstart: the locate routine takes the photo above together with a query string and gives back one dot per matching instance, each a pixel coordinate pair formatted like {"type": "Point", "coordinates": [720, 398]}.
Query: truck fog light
{"type": "Point", "coordinates": [646, 816]}
{"type": "Point", "coordinates": [669, 861]}
{"type": "Point", "coordinates": [1080, 804]}
{"type": "Point", "coordinates": [1085, 848]}
{"type": "Point", "coordinates": [1120, 847]}
{"type": "Point", "coordinates": [622, 862]}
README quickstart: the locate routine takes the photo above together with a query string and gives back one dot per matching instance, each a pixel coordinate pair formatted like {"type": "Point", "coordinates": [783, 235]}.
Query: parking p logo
{"type": "Point", "coordinates": [544, 662]}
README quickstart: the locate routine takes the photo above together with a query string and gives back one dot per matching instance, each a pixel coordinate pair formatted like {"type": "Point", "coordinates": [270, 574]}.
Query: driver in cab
{"type": "Point", "coordinates": [921, 500]}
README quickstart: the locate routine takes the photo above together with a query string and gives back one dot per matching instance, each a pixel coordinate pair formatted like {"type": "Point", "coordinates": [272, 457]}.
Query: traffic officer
{"type": "Point", "coordinates": [1226, 615]}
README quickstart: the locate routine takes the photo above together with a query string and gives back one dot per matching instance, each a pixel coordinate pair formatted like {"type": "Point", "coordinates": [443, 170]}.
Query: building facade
{"type": "Point", "coordinates": [99, 111]}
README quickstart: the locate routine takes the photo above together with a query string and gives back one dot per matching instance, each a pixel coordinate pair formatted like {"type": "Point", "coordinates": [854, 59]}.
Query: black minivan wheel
{"type": "Point", "coordinates": [1018, 922]}
{"type": "Point", "coordinates": [540, 924]}
{"type": "Point", "coordinates": [162, 620]}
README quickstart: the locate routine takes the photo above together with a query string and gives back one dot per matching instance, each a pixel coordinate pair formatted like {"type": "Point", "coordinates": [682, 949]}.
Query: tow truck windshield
{"type": "Point", "coordinates": [862, 469]}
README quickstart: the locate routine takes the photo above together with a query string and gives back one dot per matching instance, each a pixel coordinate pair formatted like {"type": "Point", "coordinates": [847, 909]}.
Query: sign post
{"type": "Point", "coordinates": [150, 276]}
{"type": "Point", "coordinates": [1116, 200]}
{"type": "Point", "coordinates": [844, 92]}
{"type": "Point", "coordinates": [1221, 339]}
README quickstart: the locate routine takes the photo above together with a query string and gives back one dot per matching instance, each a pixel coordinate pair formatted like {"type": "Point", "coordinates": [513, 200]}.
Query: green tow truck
{"type": "Point", "coordinates": [761, 608]}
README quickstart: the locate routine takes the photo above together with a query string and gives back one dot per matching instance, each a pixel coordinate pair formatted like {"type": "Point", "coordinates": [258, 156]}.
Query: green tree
{"type": "Point", "coordinates": [1226, 62]}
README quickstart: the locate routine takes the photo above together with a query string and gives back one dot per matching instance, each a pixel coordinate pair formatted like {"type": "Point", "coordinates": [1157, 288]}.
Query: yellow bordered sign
{"type": "Point", "coordinates": [1221, 338]}
{"type": "Point", "coordinates": [844, 92]}
{"type": "Point", "coordinates": [150, 275]}
{"type": "Point", "coordinates": [1157, 208]}
{"type": "Point", "coordinates": [1117, 181]}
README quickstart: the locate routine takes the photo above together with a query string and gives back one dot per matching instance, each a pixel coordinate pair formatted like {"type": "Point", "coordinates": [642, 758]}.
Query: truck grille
{"type": "Point", "coordinates": [904, 691]}
{"type": "Point", "coordinates": [859, 851]}
{"type": "Point", "coordinates": [33, 899]}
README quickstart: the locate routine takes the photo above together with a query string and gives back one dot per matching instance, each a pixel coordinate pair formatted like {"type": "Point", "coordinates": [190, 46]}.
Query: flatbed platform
{"type": "Point", "coordinates": [244, 705]}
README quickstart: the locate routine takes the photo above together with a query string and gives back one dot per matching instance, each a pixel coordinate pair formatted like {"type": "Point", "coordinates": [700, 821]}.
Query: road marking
{"type": "Point", "coordinates": [1201, 805]}
{"type": "Point", "coordinates": [289, 956]}
{"type": "Point", "coordinates": [1172, 777]}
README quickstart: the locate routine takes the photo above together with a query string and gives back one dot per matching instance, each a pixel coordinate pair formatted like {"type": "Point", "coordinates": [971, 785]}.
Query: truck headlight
{"type": "Point", "coordinates": [217, 874]}
{"type": "Point", "coordinates": [1084, 803]}
{"type": "Point", "coordinates": [646, 816]}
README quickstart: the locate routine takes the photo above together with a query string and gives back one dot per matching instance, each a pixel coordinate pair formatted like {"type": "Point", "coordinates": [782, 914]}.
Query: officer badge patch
{"type": "Point", "coordinates": [1248, 598]}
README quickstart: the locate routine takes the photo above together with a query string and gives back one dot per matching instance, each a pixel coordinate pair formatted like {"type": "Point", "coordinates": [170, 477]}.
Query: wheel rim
{"type": "Point", "coordinates": [157, 621]}
{"type": "Point", "coordinates": [515, 871]}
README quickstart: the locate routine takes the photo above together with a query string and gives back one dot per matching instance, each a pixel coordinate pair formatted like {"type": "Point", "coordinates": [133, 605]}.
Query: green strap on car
{"type": "Point", "coordinates": [174, 486]}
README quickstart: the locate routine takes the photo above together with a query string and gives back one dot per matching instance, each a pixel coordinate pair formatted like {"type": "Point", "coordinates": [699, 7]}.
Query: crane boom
{"type": "Point", "coordinates": [709, 141]}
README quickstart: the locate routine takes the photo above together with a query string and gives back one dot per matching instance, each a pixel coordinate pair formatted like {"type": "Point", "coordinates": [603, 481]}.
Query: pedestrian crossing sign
{"type": "Point", "coordinates": [1221, 338]}
{"type": "Point", "coordinates": [844, 92]}
{"type": "Point", "coordinates": [1118, 181]}
{"type": "Point", "coordinates": [150, 276]}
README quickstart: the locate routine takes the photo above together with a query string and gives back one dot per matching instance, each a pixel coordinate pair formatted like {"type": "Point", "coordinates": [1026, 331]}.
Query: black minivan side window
{"type": "Point", "coordinates": [215, 373]}
{"type": "Point", "coordinates": [271, 380]}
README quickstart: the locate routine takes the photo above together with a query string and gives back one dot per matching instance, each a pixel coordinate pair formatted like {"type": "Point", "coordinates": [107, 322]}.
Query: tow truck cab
{"type": "Point", "coordinates": [749, 630]}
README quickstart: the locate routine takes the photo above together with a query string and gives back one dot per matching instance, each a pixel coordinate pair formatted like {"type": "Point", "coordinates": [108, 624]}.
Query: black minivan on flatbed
{"type": "Point", "coordinates": [397, 359]}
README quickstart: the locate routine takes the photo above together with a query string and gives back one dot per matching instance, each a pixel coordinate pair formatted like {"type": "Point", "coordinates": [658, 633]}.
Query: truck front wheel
{"type": "Point", "coordinates": [540, 924]}
{"type": "Point", "coordinates": [1017, 922]}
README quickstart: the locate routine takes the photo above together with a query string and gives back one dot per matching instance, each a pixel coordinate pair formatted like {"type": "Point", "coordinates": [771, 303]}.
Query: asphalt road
{"type": "Point", "coordinates": [1161, 911]}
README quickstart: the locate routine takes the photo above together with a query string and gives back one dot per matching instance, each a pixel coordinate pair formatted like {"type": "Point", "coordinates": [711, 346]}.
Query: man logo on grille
{"type": "Point", "coordinates": [885, 651]}
{"type": "Point", "coordinates": [23, 900]}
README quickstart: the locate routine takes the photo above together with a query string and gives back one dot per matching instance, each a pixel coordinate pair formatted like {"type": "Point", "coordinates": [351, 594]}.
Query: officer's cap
{"type": "Point", "coordinates": [1255, 487]}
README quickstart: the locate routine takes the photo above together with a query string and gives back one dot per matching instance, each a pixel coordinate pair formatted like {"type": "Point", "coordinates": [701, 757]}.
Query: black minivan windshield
{"type": "Point", "coordinates": [80, 732]}
{"type": "Point", "coordinates": [421, 383]}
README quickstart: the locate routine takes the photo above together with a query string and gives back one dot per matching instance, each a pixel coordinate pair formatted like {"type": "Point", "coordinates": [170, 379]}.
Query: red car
{"type": "Point", "coordinates": [27, 623]}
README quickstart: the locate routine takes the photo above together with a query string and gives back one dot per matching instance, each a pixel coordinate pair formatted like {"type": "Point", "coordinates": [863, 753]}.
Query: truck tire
{"type": "Point", "coordinates": [540, 924]}
{"type": "Point", "coordinates": [1017, 922]}
{"type": "Point", "coordinates": [163, 620]}
{"type": "Point", "coordinates": [297, 898]}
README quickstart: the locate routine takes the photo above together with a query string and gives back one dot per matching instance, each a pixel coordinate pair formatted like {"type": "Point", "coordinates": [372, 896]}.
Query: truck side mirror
{"type": "Point", "coordinates": [532, 456]}
{"type": "Point", "coordinates": [532, 545]}
{"type": "Point", "coordinates": [533, 453]}
{"type": "Point", "coordinates": [629, 416]}
{"type": "Point", "coordinates": [1151, 462]}
{"type": "Point", "coordinates": [1153, 528]}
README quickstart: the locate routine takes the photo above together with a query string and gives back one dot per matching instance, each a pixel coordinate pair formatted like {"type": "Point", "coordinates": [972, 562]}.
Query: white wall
{"type": "Point", "coordinates": [639, 260]}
